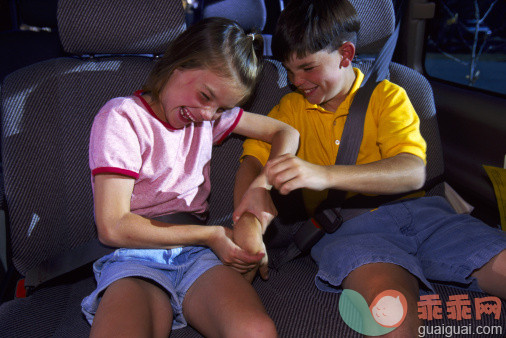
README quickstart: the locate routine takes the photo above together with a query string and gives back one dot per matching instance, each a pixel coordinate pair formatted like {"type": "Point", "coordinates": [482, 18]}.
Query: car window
{"type": "Point", "coordinates": [466, 43]}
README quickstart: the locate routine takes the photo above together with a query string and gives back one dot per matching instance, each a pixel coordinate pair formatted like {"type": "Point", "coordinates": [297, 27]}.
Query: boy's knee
{"type": "Point", "coordinates": [371, 279]}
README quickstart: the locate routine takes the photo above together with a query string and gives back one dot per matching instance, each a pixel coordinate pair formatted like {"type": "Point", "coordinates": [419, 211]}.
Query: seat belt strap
{"type": "Point", "coordinates": [86, 253]}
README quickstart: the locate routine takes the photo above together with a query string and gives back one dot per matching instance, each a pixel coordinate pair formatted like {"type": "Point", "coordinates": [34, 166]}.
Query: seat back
{"type": "Point", "coordinates": [250, 14]}
{"type": "Point", "coordinates": [377, 23]}
{"type": "Point", "coordinates": [47, 111]}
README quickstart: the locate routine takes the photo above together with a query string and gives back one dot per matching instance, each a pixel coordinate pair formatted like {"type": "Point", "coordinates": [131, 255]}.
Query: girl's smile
{"type": "Point", "coordinates": [196, 95]}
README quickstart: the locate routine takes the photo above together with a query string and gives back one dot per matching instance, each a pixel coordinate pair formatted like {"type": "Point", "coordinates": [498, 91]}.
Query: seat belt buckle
{"type": "Point", "coordinates": [329, 219]}
{"type": "Point", "coordinates": [21, 291]}
{"type": "Point", "coordinates": [308, 235]}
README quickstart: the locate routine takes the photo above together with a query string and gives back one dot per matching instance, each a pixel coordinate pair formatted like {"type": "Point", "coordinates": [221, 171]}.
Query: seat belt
{"type": "Point", "coordinates": [328, 216]}
{"type": "Point", "coordinates": [86, 253]}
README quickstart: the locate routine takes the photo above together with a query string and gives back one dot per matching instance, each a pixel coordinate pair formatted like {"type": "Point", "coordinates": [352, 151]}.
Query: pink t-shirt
{"type": "Point", "coordinates": [171, 167]}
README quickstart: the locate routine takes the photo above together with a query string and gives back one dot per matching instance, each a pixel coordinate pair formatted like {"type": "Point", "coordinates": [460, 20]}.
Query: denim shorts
{"type": "Point", "coordinates": [424, 235]}
{"type": "Point", "coordinates": [175, 270]}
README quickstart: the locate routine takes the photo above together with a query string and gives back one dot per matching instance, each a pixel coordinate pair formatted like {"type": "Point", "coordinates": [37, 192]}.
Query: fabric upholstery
{"type": "Point", "coordinates": [250, 14]}
{"type": "Point", "coordinates": [422, 98]}
{"type": "Point", "coordinates": [377, 23]}
{"type": "Point", "coordinates": [119, 27]}
{"type": "Point", "coordinates": [47, 111]}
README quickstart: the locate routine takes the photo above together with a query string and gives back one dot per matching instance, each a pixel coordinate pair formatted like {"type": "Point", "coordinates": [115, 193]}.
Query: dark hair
{"type": "Point", "coordinates": [309, 26]}
{"type": "Point", "coordinates": [217, 44]}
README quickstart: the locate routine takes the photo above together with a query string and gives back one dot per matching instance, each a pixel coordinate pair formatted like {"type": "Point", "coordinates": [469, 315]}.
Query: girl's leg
{"type": "Point", "coordinates": [492, 276]}
{"type": "Point", "coordinates": [133, 307]}
{"type": "Point", "coordinates": [221, 303]}
{"type": "Point", "coordinates": [371, 279]}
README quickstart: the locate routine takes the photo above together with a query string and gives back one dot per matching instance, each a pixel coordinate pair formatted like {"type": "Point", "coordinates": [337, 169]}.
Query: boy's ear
{"type": "Point", "coordinates": [347, 51]}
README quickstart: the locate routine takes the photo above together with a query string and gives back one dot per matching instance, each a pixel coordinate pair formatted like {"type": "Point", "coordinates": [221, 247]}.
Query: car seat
{"type": "Point", "coordinates": [250, 14]}
{"type": "Point", "coordinates": [47, 110]}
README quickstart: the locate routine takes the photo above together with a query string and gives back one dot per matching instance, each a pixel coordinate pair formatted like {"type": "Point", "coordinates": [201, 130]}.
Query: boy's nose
{"type": "Point", "coordinates": [297, 80]}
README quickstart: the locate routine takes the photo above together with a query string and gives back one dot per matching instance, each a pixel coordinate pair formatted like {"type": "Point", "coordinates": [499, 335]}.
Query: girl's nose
{"type": "Point", "coordinates": [209, 114]}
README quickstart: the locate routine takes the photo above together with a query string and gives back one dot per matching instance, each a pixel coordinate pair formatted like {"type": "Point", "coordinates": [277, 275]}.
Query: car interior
{"type": "Point", "coordinates": [62, 60]}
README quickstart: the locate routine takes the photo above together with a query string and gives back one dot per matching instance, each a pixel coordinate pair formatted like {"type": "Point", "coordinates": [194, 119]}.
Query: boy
{"type": "Point", "coordinates": [398, 246]}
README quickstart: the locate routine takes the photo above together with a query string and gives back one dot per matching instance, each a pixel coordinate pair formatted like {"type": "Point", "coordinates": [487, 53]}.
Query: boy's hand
{"type": "Point", "coordinates": [230, 253]}
{"type": "Point", "coordinates": [248, 235]}
{"type": "Point", "coordinates": [288, 172]}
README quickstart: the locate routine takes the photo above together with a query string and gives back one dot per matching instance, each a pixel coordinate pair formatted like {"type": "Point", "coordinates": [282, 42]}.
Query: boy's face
{"type": "Point", "coordinates": [320, 78]}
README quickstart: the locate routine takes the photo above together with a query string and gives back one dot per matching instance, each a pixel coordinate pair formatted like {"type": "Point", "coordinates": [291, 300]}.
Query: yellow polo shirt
{"type": "Point", "coordinates": [391, 127]}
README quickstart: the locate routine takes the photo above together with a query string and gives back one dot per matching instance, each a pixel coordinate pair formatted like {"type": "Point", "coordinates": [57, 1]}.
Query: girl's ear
{"type": "Point", "coordinates": [347, 51]}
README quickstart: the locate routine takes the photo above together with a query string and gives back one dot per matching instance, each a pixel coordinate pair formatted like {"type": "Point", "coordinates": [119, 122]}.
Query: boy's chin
{"type": "Point", "coordinates": [314, 100]}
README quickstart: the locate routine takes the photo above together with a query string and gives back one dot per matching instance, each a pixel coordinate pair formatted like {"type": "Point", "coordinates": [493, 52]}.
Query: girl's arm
{"type": "Point", "coordinates": [249, 210]}
{"type": "Point", "coordinates": [248, 235]}
{"type": "Point", "coordinates": [284, 139]}
{"type": "Point", "coordinates": [118, 227]}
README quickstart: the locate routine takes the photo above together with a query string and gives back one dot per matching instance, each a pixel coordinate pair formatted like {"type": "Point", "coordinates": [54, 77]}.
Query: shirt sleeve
{"type": "Point", "coordinates": [227, 122]}
{"type": "Point", "coordinates": [398, 125]}
{"type": "Point", "coordinates": [114, 145]}
{"type": "Point", "coordinates": [259, 149]}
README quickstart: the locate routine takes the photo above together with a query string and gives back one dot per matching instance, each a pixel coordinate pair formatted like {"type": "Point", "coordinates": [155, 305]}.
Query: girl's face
{"type": "Point", "coordinates": [196, 95]}
{"type": "Point", "coordinates": [320, 78]}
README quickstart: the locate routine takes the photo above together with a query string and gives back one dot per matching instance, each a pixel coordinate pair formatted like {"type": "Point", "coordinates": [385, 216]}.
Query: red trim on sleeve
{"type": "Point", "coordinates": [114, 170]}
{"type": "Point", "coordinates": [138, 94]}
{"type": "Point", "coordinates": [224, 136]}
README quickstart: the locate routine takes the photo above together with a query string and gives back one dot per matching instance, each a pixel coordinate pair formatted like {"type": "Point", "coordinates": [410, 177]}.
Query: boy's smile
{"type": "Point", "coordinates": [321, 78]}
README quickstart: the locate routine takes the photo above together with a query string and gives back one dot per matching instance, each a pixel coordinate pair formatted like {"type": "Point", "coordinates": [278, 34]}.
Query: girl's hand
{"type": "Point", "coordinates": [222, 244]}
{"type": "Point", "coordinates": [248, 235]}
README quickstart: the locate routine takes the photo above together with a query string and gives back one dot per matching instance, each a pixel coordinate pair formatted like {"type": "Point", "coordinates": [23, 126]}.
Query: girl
{"type": "Point", "coordinates": [149, 156]}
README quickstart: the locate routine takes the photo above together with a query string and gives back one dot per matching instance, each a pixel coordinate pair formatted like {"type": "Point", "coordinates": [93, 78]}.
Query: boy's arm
{"type": "Point", "coordinates": [401, 173]}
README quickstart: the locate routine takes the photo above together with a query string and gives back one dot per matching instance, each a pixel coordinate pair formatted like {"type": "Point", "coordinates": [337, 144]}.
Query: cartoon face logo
{"type": "Point", "coordinates": [388, 308]}
{"type": "Point", "coordinates": [386, 312]}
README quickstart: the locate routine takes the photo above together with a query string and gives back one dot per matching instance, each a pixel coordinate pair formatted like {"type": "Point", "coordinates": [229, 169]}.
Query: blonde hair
{"type": "Point", "coordinates": [217, 44]}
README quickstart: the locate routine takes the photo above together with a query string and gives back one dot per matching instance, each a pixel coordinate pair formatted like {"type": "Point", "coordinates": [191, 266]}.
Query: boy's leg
{"type": "Point", "coordinates": [133, 307]}
{"type": "Point", "coordinates": [221, 303]}
{"type": "Point", "coordinates": [371, 279]}
{"type": "Point", "coordinates": [492, 276]}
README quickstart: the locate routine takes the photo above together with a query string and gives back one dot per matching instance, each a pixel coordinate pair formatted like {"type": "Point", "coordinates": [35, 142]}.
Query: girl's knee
{"type": "Point", "coordinates": [145, 312]}
{"type": "Point", "coordinates": [260, 325]}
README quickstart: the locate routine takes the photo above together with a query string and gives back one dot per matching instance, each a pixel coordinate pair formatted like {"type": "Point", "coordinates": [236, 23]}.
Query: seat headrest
{"type": "Point", "coordinates": [119, 26]}
{"type": "Point", "coordinates": [377, 23]}
{"type": "Point", "coordinates": [249, 14]}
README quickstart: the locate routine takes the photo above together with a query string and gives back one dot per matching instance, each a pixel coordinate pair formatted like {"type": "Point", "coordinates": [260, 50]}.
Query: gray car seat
{"type": "Point", "coordinates": [47, 110]}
